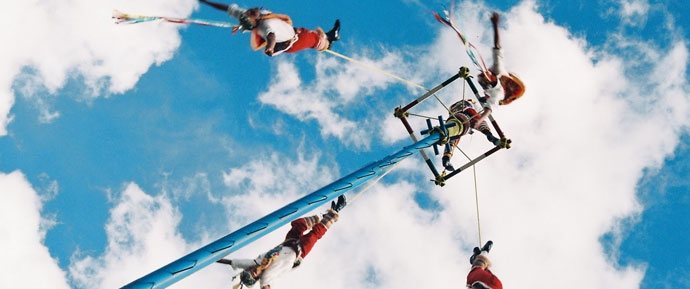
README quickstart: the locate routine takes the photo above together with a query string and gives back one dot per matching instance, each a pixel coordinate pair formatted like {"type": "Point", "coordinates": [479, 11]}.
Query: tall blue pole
{"type": "Point", "coordinates": [181, 268]}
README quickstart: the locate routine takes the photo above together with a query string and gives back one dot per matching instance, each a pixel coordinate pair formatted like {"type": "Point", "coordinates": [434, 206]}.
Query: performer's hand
{"type": "Point", "coordinates": [476, 125]}
{"type": "Point", "coordinates": [270, 44]}
{"type": "Point", "coordinates": [495, 18]}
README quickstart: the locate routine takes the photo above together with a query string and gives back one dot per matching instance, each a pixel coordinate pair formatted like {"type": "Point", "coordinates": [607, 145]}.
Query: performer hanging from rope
{"type": "Point", "coordinates": [289, 254]}
{"type": "Point", "coordinates": [275, 33]}
{"type": "Point", "coordinates": [500, 87]}
{"type": "Point", "coordinates": [480, 277]}
{"type": "Point", "coordinates": [463, 111]}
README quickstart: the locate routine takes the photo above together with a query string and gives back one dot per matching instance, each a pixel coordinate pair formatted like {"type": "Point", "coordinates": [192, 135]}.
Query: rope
{"type": "Point", "coordinates": [476, 201]}
{"type": "Point", "coordinates": [371, 183]}
{"type": "Point", "coordinates": [476, 190]}
{"type": "Point", "coordinates": [448, 20]}
{"type": "Point", "coordinates": [409, 82]}
{"type": "Point", "coordinates": [422, 116]}
{"type": "Point", "coordinates": [476, 197]}
{"type": "Point", "coordinates": [376, 69]}
{"type": "Point", "coordinates": [124, 18]}
{"type": "Point", "coordinates": [474, 174]}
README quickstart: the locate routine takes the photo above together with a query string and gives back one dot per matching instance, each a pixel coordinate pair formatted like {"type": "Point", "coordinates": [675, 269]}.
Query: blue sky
{"type": "Point", "coordinates": [208, 138]}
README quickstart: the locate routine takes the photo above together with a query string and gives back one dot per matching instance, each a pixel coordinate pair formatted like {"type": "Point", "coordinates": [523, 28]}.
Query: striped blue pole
{"type": "Point", "coordinates": [183, 267]}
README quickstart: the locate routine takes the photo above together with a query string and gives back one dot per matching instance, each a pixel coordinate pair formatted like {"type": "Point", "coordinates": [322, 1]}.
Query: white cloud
{"type": "Point", "coordinates": [142, 236]}
{"type": "Point", "coordinates": [267, 183]}
{"type": "Point", "coordinates": [22, 233]}
{"type": "Point", "coordinates": [384, 240]}
{"type": "Point", "coordinates": [53, 42]}
{"type": "Point", "coordinates": [338, 86]}
{"type": "Point", "coordinates": [634, 12]}
{"type": "Point", "coordinates": [583, 134]}
{"type": "Point", "coordinates": [143, 233]}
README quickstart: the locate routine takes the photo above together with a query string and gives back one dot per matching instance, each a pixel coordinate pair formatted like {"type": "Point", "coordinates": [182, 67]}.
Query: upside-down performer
{"type": "Point", "coordinates": [464, 115]}
{"type": "Point", "coordinates": [289, 254]}
{"type": "Point", "coordinates": [480, 277]}
{"type": "Point", "coordinates": [275, 33]}
{"type": "Point", "coordinates": [500, 87]}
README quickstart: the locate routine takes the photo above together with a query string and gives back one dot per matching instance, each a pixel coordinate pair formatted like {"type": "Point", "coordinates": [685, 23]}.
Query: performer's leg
{"type": "Point", "coordinates": [308, 240]}
{"type": "Point", "coordinates": [315, 39]}
{"type": "Point", "coordinates": [447, 155]}
{"type": "Point", "coordinates": [300, 225]}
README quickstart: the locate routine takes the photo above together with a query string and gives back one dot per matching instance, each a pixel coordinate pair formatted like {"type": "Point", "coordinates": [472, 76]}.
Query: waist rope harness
{"type": "Point", "coordinates": [269, 257]}
{"type": "Point", "coordinates": [285, 45]}
{"type": "Point", "coordinates": [295, 245]}
{"type": "Point", "coordinates": [273, 254]}
{"type": "Point", "coordinates": [266, 262]}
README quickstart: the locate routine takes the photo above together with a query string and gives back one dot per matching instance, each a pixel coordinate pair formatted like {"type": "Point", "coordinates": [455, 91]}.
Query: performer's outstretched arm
{"type": "Point", "coordinates": [495, 19]}
{"type": "Point", "coordinates": [219, 6]}
{"type": "Point", "coordinates": [270, 44]}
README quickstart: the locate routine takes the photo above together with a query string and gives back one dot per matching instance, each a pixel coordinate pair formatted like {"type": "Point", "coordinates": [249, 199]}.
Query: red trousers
{"type": "Point", "coordinates": [307, 39]}
{"type": "Point", "coordinates": [484, 276]}
{"type": "Point", "coordinates": [307, 240]}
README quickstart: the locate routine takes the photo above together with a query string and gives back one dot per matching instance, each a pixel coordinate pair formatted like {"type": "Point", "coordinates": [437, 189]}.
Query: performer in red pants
{"type": "Point", "coordinates": [480, 277]}
{"type": "Point", "coordinates": [275, 33]}
{"type": "Point", "coordinates": [289, 254]}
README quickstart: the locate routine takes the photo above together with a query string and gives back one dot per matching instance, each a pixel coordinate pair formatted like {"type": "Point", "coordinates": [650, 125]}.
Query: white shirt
{"type": "Point", "coordinates": [498, 68]}
{"type": "Point", "coordinates": [283, 263]}
{"type": "Point", "coordinates": [286, 258]}
{"type": "Point", "coordinates": [281, 29]}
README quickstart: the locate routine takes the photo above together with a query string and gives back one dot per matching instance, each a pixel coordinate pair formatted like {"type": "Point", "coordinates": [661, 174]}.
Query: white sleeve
{"type": "Point", "coordinates": [493, 95]}
{"type": "Point", "coordinates": [246, 263]}
{"type": "Point", "coordinates": [498, 67]}
{"type": "Point", "coordinates": [235, 11]}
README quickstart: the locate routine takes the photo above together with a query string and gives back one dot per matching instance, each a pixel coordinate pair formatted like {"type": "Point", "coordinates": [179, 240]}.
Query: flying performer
{"type": "Point", "coordinates": [463, 111]}
{"type": "Point", "coordinates": [480, 277]}
{"type": "Point", "coordinates": [289, 254]}
{"type": "Point", "coordinates": [275, 33]}
{"type": "Point", "coordinates": [500, 87]}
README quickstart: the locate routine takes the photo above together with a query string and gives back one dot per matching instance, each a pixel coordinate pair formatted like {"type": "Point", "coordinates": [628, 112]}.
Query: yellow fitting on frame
{"type": "Point", "coordinates": [505, 143]}
{"type": "Point", "coordinates": [464, 72]}
{"type": "Point", "coordinates": [441, 179]}
{"type": "Point", "coordinates": [399, 113]}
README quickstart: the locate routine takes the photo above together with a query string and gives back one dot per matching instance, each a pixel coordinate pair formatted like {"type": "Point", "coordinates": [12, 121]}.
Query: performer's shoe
{"type": "Point", "coordinates": [479, 285]}
{"type": "Point", "coordinates": [476, 252]}
{"type": "Point", "coordinates": [487, 246]}
{"type": "Point", "coordinates": [445, 160]}
{"type": "Point", "coordinates": [340, 204]}
{"type": "Point", "coordinates": [334, 33]}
